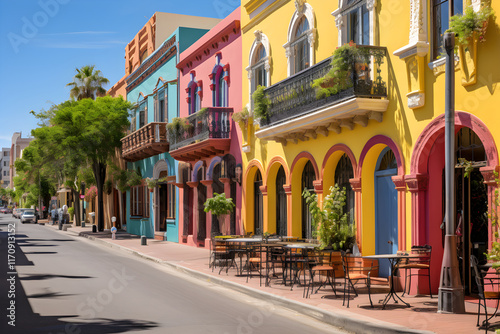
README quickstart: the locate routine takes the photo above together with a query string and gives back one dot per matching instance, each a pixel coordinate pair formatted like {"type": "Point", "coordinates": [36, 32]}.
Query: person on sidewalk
{"type": "Point", "coordinates": [53, 214]}
{"type": "Point", "coordinates": [62, 217]}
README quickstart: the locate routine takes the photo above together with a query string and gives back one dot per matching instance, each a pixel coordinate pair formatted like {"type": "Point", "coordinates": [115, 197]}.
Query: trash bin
{"type": "Point", "coordinates": [92, 217]}
{"type": "Point", "coordinates": [144, 239]}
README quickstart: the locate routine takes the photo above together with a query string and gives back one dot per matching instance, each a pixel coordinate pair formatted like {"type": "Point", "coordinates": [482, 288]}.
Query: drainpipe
{"type": "Point", "coordinates": [451, 291]}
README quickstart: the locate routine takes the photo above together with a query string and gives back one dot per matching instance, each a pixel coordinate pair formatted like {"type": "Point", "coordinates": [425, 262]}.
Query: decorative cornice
{"type": "Point", "coordinates": [318, 186]}
{"type": "Point", "coordinates": [489, 177]}
{"type": "Point", "coordinates": [355, 184]}
{"type": "Point", "coordinates": [399, 182]}
{"type": "Point", "coordinates": [263, 190]}
{"type": "Point", "coordinates": [417, 182]}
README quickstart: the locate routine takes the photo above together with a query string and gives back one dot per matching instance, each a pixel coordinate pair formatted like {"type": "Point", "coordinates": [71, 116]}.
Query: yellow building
{"type": "Point", "coordinates": [382, 137]}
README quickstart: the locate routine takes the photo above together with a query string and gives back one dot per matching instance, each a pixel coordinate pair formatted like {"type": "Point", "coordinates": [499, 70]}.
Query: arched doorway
{"type": "Point", "coordinates": [343, 173]}
{"type": "Point", "coordinates": [217, 187]}
{"type": "Point", "coordinates": [202, 216]}
{"type": "Point", "coordinates": [308, 176]}
{"type": "Point", "coordinates": [386, 208]}
{"type": "Point", "coordinates": [281, 206]}
{"type": "Point", "coordinates": [258, 204]}
{"type": "Point", "coordinates": [471, 222]}
{"type": "Point", "coordinates": [187, 202]}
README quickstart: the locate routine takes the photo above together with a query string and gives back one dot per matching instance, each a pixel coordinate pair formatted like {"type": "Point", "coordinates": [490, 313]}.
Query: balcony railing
{"type": "Point", "coordinates": [146, 142]}
{"type": "Point", "coordinates": [295, 95]}
{"type": "Point", "coordinates": [210, 123]}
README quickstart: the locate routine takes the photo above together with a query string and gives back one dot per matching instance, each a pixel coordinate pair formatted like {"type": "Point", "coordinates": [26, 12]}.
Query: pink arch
{"type": "Point", "coordinates": [435, 128]}
{"type": "Point", "coordinates": [344, 148]}
{"type": "Point", "coordinates": [381, 139]}
{"type": "Point", "coordinates": [308, 156]}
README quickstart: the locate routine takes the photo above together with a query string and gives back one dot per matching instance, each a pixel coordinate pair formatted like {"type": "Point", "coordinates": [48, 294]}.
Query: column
{"type": "Point", "coordinates": [489, 177]}
{"type": "Point", "coordinates": [356, 187]}
{"type": "Point", "coordinates": [208, 237]}
{"type": "Point", "coordinates": [417, 185]}
{"type": "Point", "coordinates": [399, 182]}
{"type": "Point", "coordinates": [288, 192]}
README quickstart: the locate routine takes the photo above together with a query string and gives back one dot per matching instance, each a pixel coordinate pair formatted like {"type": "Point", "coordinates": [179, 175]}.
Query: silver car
{"type": "Point", "coordinates": [28, 216]}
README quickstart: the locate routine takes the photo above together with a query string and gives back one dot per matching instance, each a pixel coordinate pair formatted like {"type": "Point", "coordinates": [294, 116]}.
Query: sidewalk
{"type": "Point", "coordinates": [421, 317]}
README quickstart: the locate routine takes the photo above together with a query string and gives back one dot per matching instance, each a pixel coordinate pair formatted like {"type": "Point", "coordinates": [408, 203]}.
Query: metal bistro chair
{"type": "Point", "coordinates": [417, 266]}
{"type": "Point", "coordinates": [491, 283]}
{"type": "Point", "coordinates": [221, 254]}
{"type": "Point", "coordinates": [356, 271]}
{"type": "Point", "coordinates": [322, 264]}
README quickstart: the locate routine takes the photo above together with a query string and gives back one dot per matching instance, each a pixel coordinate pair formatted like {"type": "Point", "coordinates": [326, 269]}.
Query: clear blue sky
{"type": "Point", "coordinates": [43, 41]}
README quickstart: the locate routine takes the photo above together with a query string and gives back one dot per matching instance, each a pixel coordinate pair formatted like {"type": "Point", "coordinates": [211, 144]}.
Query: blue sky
{"type": "Point", "coordinates": [43, 41]}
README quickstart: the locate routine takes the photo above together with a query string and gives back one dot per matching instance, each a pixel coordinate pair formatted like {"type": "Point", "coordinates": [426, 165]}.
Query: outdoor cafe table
{"type": "Point", "coordinates": [393, 260]}
{"type": "Point", "coordinates": [257, 242]}
{"type": "Point", "coordinates": [290, 259]}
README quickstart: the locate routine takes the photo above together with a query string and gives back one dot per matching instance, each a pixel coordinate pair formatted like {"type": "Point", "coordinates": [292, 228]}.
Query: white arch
{"type": "Point", "coordinates": [301, 9]}
{"type": "Point", "coordinates": [160, 166]}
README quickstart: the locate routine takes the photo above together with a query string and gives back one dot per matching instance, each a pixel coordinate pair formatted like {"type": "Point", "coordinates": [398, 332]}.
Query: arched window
{"type": "Point", "coordinates": [281, 205]}
{"type": "Point", "coordinates": [197, 105]}
{"type": "Point", "coordinates": [308, 177]}
{"type": "Point", "coordinates": [343, 173]}
{"type": "Point", "coordinates": [259, 63]}
{"type": "Point", "coordinates": [258, 204]}
{"type": "Point", "coordinates": [259, 68]}
{"type": "Point", "coordinates": [300, 46]}
{"type": "Point", "coordinates": [221, 90]}
{"type": "Point", "coordinates": [355, 21]}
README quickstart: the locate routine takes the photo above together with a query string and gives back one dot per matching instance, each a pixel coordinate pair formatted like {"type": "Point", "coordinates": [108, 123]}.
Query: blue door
{"type": "Point", "coordinates": [386, 209]}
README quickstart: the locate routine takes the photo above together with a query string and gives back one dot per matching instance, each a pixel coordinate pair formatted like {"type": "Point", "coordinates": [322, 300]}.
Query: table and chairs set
{"type": "Point", "coordinates": [293, 262]}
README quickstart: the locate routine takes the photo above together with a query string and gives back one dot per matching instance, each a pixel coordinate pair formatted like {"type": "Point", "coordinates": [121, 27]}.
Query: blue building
{"type": "Point", "coordinates": [153, 86]}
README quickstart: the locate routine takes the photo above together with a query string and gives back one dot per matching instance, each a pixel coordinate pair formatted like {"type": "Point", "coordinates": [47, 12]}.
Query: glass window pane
{"type": "Point", "coordinates": [353, 27]}
{"type": "Point", "coordinates": [366, 26]}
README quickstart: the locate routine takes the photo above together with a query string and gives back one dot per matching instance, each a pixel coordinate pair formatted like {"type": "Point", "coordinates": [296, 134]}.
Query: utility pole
{"type": "Point", "coordinates": [451, 291]}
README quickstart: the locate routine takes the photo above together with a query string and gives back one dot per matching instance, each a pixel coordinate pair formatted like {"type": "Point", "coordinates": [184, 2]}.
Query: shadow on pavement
{"type": "Point", "coordinates": [26, 321]}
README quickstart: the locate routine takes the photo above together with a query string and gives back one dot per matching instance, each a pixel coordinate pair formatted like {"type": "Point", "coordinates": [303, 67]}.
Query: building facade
{"type": "Point", "coordinates": [207, 144]}
{"type": "Point", "coordinates": [382, 136]}
{"type": "Point", "coordinates": [16, 152]}
{"type": "Point", "coordinates": [5, 168]}
{"type": "Point", "coordinates": [153, 86]}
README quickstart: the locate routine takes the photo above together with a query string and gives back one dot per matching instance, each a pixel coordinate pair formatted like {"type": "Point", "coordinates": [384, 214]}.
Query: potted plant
{"type": "Point", "coordinates": [220, 206]}
{"type": "Point", "coordinates": [469, 29]}
{"type": "Point", "coordinates": [330, 223]}
{"type": "Point", "coordinates": [151, 183]}
{"type": "Point", "coordinates": [71, 211]}
{"type": "Point", "coordinates": [242, 117]}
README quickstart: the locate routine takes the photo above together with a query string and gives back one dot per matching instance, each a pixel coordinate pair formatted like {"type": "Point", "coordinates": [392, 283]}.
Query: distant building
{"type": "Point", "coordinates": [5, 167]}
{"type": "Point", "coordinates": [16, 152]}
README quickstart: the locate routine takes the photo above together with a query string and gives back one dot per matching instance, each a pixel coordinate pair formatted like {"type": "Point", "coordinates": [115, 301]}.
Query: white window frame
{"type": "Point", "coordinates": [260, 39]}
{"type": "Point", "coordinates": [301, 9]}
{"type": "Point", "coordinates": [341, 21]}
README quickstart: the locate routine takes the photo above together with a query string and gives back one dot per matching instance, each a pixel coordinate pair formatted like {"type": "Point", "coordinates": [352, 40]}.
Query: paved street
{"type": "Point", "coordinates": [70, 285]}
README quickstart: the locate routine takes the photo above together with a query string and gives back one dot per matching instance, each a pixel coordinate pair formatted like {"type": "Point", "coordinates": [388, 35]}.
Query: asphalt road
{"type": "Point", "coordinates": [71, 285]}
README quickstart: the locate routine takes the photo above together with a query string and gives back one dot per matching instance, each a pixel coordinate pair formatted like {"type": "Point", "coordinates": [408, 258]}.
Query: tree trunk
{"type": "Point", "coordinates": [76, 197]}
{"type": "Point", "coordinates": [99, 169]}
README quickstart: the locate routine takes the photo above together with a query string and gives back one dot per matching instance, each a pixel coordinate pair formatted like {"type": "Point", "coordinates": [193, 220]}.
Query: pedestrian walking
{"type": "Point", "coordinates": [53, 214]}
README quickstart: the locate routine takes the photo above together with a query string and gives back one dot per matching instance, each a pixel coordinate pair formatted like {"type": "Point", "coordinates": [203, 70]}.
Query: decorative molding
{"type": "Point", "coordinates": [370, 4]}
{"type": "Point", "coordinates": [299, 6]}
{"type": "Point", "coordinates": [246, 148]}
{"type": "Point", "coordinates": [416, 100]}
{"type": "Point", "coordinates": [489, 177]}
{"type": "Point", "coordinates": [355, 184]}
{"type": "Point", "coordinates": [399, 182]}
{"type": "Point", "coordinates": [417, 182]}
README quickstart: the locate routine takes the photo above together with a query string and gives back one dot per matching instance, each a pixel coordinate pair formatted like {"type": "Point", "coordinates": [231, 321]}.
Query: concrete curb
{"type": "Point", "coordinates": [360, 324]}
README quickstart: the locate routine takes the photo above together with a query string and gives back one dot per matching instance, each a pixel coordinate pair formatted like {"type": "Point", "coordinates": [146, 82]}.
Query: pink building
{"type": "Point", "coordinates": [206, 140]}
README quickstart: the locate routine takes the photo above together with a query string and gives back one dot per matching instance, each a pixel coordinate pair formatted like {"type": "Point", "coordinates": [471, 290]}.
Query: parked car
{"type": "Point", "coordinates": [5, 210]}
{"type": "Point", "coordinates": [28, 216]}
{"type": "Point", "coordinates": [18, 212]}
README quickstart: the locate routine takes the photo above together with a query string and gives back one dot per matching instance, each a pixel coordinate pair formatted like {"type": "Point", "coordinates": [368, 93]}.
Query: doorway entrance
{"type": "Point", "coordinates": [386, 209]}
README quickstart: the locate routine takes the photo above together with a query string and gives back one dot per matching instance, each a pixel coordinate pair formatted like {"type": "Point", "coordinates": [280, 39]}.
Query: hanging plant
{"type": "Point", "coordinates": [178, 126]}
{"type": "Point", "coordinates": [242, 116]}
{"type": "Point", "coordinates": [470, 23]}
{"type": "Point", "coordinates": [260, 103]}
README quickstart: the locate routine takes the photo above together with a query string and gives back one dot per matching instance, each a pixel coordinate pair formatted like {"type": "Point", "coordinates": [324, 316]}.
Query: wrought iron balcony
{"type": "Point", "coordinates": [294, 100]}
{"type": "Point", "coordinates": [146, 142]}
{"type": "Point", "coordinates": [202, 134]}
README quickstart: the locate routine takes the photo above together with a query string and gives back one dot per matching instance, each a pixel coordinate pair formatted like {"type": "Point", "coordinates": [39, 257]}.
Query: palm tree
{"type": "Point", "coordinates": [87, 83]}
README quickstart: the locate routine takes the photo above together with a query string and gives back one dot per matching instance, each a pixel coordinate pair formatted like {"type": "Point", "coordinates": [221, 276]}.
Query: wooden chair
{"type": "Point", "coordinates": [417, 266]}
{"type": "Point", "coordinates": [221, 255]}
{"type": "Point", "coordinates": [485, 282]}
{"type": "Point", "coordinates": [357, 270]}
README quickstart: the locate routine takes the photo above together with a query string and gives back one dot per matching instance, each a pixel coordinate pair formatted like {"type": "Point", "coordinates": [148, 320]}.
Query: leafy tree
{"type": "Point", "coordinates": [87, 83]}
{"type": "Point", "coordinates": [89, 132]}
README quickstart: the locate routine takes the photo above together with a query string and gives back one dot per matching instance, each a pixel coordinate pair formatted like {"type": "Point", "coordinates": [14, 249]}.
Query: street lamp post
{"type": "Point", "coordinates": [451, 292]}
